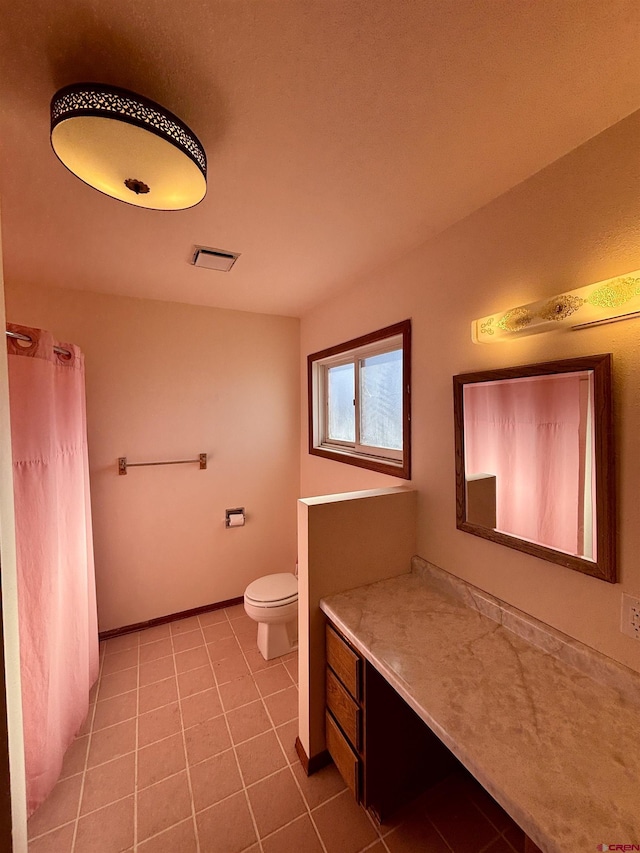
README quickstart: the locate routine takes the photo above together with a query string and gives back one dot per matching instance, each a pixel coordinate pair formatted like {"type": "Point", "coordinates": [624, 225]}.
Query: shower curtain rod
{"type": "Point", "coordinates": [20, 337]}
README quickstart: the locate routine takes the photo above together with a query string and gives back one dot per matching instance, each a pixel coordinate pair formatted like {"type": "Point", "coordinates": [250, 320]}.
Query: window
{"type": "Point", "coordinates": [359, 401]}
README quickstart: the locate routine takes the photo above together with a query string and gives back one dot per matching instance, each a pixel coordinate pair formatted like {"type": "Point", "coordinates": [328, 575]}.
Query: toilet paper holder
{"type": "Point", "coordinates": [234, 517]}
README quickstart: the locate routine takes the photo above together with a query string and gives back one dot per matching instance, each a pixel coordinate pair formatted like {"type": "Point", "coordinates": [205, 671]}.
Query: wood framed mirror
{"type": "Point", "coordinates": [535, 461]}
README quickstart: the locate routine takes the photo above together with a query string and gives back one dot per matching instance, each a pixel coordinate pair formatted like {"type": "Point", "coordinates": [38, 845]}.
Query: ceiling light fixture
{"type": "Point", "coordinates": [128, 147]}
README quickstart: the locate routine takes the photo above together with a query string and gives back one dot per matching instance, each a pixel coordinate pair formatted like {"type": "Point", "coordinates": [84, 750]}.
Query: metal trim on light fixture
{"type": "Point", "coordinates": [73, 146]}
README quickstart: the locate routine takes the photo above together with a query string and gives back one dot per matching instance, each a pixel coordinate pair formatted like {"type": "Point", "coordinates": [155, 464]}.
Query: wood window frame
{"type": "Point", "coordinates": [398, 467]}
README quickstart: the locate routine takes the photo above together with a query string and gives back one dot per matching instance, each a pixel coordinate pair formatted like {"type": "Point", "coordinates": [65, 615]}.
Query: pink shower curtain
{"type": "Point", "coordinates": [56, 583]}
{"type": "Point", "coordinates": [529, 434]}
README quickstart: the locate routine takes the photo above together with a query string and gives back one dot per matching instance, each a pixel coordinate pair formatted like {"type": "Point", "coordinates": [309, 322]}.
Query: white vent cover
{"type": "Point", "coordinates": [214, 259]}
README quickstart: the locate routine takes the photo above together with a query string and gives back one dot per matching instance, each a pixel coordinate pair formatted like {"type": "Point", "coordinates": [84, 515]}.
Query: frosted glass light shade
{"type": "Point", "coordinates": [605, 301]}
{"type": "Point", "coordinates": [128, 147]}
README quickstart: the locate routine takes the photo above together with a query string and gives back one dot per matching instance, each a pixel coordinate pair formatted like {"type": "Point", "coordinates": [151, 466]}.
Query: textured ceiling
{"type": "Point", "coordinates": [339, 134]}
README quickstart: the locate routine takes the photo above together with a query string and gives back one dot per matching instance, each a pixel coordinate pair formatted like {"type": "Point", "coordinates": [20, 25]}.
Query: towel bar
{"type": "Point", "coordinates": [123, 464]}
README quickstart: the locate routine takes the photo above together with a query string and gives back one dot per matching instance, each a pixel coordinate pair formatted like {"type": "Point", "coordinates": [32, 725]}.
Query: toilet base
{"type": "Point", "coordinates": [275, 640]}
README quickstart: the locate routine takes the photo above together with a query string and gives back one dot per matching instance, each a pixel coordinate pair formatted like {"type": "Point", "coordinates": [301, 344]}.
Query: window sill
{"type": "Point", "coordinates": [394, 468]}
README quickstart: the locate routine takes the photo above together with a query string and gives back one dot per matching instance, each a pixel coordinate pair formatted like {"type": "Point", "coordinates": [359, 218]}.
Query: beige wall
{"type": "Point", "coordinates": [574, 223]}
{"type": "Point", "coordinates": [169, 381]}
{"type": "Point", "coordinates": [334, 557]}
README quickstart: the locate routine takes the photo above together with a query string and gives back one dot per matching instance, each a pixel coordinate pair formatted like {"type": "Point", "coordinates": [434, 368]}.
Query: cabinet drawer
{"type": "Point", "coordinates": [344, 757]}
{"type": "Point", "coordinates": [344, 709]}
{"type": "Point", "coordinates": [346, 663]}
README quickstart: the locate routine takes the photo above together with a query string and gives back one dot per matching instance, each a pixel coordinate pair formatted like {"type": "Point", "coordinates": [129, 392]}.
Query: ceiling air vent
{"type": "Point", "coordinates": [214, 259]}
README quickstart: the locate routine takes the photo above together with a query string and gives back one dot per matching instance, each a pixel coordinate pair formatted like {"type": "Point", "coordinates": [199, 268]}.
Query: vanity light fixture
{"type": "Point", "coordinates": [603, 302]}
{"type": "Point", "coordinates": [128, 147]}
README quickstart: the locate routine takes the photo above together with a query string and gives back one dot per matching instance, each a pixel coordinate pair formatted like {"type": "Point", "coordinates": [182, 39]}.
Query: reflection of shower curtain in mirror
{"type": "Point", "coordinates": [532, 434]}
{"type": "Point", "coordinates": [56, 584]}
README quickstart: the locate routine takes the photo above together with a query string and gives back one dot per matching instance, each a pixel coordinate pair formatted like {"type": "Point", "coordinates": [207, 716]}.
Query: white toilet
{"type": "Point", "coordinates": [273, 602]}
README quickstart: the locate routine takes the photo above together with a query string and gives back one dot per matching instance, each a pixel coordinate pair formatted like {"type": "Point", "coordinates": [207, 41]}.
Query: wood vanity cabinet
{"type": "Point", "coordinates": [382, 749]}
{"type": "Point", "coordinates": [344, 710]}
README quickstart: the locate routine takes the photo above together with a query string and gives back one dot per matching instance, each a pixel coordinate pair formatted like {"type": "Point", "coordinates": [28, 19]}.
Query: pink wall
{"type": "Point", "coordinates": [170, 381]}
{"type": "Point", "coordinates": [576, 222]}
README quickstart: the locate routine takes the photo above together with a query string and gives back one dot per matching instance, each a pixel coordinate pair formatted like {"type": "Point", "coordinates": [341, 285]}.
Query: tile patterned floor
{"type": "Point", "coordinates": [188, 748]}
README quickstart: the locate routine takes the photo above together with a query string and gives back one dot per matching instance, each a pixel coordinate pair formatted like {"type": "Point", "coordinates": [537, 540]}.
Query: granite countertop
{"type": "Point", "coordinates": [550, 728]}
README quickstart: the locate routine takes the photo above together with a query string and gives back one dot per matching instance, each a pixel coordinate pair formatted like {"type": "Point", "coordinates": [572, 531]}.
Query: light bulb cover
{"type": "Point", "coordinates": [605, 301]}
{"type": "Point", "coordinates": [128, 146]}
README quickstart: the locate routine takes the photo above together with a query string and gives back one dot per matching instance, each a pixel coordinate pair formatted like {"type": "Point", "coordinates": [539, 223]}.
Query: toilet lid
{"type": "Point", "coordinates": [273, 589]}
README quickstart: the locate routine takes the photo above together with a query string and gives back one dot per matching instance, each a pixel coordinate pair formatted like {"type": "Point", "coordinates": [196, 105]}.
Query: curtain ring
{"type": "Point", "coordinates": [64, 357]}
